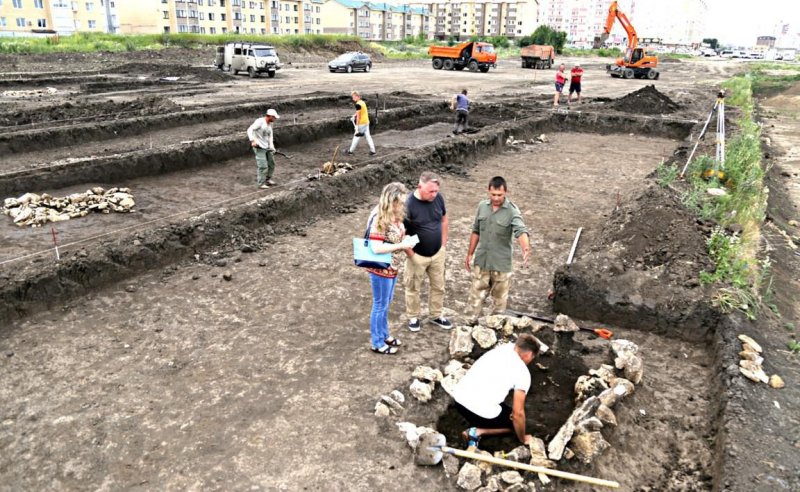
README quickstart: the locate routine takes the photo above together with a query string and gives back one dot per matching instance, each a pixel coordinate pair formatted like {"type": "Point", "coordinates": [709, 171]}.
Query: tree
{"type": "Point", "coordinates": [546, 35]}
{"type": "Point", "coordinates": [712, 42]}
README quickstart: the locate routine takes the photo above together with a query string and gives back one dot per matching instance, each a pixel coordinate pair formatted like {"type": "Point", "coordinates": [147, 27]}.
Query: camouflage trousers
{"type": "Point", "coordinates": [485, 282]}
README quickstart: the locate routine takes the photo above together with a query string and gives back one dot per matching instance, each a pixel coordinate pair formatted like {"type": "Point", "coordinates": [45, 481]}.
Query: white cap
{"type": "Point", "coordinates": [578, 65]}
{"type": "Point", "coordinates": [273, 113]}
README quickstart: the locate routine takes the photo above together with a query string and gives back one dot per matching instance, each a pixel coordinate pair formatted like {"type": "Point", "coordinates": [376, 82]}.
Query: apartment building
{"type": "Point", "coordinates": [47, 17]}
{"type": "Point", "coordinates": [583, 20]}
{"type": "Point", "coordinates": [222, 16]}
{"type": "Point", "coordinates": [374, 21]}
{"type": "Point", "coordinates": [467, 18]}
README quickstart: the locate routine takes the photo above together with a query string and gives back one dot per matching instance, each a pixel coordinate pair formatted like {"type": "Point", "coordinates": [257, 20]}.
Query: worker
{"type": "Point", "coordinates": [260, 135]}
{"type": "Point", "coordinates": [460, 104]}
{"type": "Point", "coordinates": [481, 393]}
{"type": "Point", "coordinates": [561, 79]}
{"type": "Point", "coordinates": [361, 123]}
{"type": "Point", "coordinates": [426, 217]}
{"type": "Point", "coordinates": [575, 82]}
{"type": "Point", "coordinates": [497, 222]}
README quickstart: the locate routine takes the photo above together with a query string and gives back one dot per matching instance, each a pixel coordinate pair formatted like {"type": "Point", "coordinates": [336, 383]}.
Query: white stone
{"type": "Point", "coordinates": [461, 343]}
{"type": "Point", "coordinates": [621, 345]}
{"type": "Point", "coordinates": [382, 410]}
{"type": "Point", "coordinates": [588, 446]}
{"type": "Point", "coordinates": [427, 373]}
{"type": "Point", "coordinates": [631, 365]}
{"type": "Point", "coordinates": [421, 391]}
{"type": "Point", "coordinates": [511, 477]}
{"type": "Point", "coordinates": [564, 323]}
{"type": "Point", "coordinates": [452, 367]}
{"type": "Point", "coordinates": [469, 477]}
{"type": "Point", "coordinates": [485, 337]}
{"type": "Point", "coordinates": [397, 396]}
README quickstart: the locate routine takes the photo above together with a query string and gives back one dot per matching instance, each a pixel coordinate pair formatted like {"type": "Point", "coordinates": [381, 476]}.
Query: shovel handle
{"type": "Point", "coordinates": [531, 468]}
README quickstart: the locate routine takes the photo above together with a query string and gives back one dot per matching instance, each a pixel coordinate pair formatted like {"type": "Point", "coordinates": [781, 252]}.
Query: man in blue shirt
{"type": "Point", "coordinates": [460, 104]}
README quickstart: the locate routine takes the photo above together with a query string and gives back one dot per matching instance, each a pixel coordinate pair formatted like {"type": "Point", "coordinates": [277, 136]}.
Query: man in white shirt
{"type": "Point", "coordinates": [260, 135]}
{"type": "Point", "coordinates": [480, 395]}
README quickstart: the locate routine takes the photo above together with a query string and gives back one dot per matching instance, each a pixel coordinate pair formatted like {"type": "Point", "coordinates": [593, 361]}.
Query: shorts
{"type": "Point", "coordinates": [559, 87]}
{"type": "Point", "coordinates": [502, 421]}
{"type": "Point", "coordinates": [575, 87]}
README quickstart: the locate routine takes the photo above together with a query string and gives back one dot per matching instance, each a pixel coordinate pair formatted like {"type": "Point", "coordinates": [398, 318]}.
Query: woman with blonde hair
{"type": "Point", "coordinates": [387, 235]}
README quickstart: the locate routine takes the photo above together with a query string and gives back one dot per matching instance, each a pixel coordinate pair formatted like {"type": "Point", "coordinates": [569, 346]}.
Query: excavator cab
{"type": "Point", "coordinates": [636, 55]}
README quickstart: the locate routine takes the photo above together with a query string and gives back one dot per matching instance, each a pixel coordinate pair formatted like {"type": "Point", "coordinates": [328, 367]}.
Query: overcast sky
{"type": "Point", "coordinates": [741, 21]}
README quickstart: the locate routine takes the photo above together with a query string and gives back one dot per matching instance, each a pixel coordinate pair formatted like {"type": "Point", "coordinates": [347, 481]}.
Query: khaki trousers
{"type": "Point", "coordinates": [484, 282]}
{"type": "Point", "coordinates": [417, 268]}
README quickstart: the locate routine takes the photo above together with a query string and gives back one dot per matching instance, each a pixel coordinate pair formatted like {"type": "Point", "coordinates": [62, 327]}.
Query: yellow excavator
{"type": "Point", "coordinates": [636, 63]}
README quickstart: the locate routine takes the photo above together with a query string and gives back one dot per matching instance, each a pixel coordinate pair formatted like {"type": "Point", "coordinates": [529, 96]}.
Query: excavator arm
{"type": "Point", "coordinates": [613, 15]}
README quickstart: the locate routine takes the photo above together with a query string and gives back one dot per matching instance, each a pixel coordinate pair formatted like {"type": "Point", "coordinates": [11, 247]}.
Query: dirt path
{"type": "Point", "coordinates": [266, 380]}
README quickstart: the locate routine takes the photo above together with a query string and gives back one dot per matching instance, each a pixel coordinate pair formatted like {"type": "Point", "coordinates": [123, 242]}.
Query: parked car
{"type": "Point", "coordinates": [351, 61]}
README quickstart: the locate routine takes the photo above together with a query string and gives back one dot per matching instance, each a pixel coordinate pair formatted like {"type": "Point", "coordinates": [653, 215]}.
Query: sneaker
{"type": "Point", "coordinates": [271, 182]}
{"type": "Point", "coordinates": [263, 187]}
{"type": "Point", "coordinates": [372, 152]}
{"type": "Point", "coordinates": [442, 322]}
{"type": "Point", "coordinates": [413, 324]}
{"type": "Point", "coordinates": [347, 152]}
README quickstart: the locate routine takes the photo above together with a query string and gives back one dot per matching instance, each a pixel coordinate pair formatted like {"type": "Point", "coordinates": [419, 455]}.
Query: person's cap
{"type": "Point", "coordinates": [578, 65]}
{"type": "Point", "coordinates": [273, 113]}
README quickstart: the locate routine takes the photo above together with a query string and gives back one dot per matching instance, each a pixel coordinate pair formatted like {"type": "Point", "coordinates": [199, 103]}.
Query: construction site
{"type": "Point", "coordinates": [173, 326]}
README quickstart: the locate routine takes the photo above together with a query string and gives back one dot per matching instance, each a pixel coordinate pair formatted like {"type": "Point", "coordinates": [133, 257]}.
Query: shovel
{"type": "Point", "coordinates": [600, 332]}
{"type": "Point", "coordinates": [431, 449]}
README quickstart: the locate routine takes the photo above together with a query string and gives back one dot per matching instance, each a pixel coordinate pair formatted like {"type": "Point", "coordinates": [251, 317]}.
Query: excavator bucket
{"type": "Point", "coordinates": [599, 40]}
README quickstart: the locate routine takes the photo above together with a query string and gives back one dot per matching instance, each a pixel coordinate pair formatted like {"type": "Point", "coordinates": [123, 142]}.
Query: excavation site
{"type": "Point", "coordinates": [167, 324]}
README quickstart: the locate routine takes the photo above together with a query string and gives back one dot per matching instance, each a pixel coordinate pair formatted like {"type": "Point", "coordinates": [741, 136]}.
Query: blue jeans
{"type": "Point", "coordinates": [382, 293]}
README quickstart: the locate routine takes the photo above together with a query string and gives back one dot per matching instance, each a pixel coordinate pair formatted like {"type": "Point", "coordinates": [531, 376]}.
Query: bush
{"type": "Point", "coordinates": [546, 35]}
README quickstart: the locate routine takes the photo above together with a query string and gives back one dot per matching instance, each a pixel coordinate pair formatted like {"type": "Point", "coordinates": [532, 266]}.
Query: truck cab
{"type": "Point", "coordinates": [252, 58]}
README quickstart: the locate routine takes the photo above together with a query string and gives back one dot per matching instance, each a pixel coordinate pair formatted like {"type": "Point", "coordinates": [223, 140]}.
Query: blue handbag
{"type": "Point", "coordinates": [364, 257]}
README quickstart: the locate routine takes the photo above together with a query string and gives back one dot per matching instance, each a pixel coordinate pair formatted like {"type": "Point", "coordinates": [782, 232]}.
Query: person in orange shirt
{"type": "Point", "coordinates": [561, 79]}
{"type": "Point", "coordinates": [575, 82]}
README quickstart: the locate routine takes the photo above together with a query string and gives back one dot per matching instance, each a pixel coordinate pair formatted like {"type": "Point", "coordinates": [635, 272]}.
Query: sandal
{"type": "Point", "coordinates": [393, 342]}
{"type": "Point", "coordinates": [472, 437]}
{"type": "Point", "coordinates": [385, 350]}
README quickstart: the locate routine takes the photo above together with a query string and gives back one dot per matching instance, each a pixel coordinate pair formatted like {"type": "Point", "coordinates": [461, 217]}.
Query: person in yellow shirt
{"type": "Point", "coordinates": [361, 123]}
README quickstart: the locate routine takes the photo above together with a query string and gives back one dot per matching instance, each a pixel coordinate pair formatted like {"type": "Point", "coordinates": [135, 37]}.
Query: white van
{"type": "Point", "coordinates": [252, 58]}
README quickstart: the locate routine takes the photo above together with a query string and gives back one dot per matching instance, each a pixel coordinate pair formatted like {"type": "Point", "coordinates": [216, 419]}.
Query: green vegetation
{"type": "Point", "coordinates": [601, 52]}
{"type": "Point", "coordinates": [666, 174]}
{"type": "Point", "coordinates": [794, 346]}
{"type": "Point", "coordinates": [712, 42]}
{"type": "Point", "coordinates": [416, 48]}
{"type": "Point", "coordinates": [93, 42]}
{"type": "Point", "coordinates": [546, 35]}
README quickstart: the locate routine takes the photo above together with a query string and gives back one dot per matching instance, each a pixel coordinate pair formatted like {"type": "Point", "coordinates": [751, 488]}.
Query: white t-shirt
{"type": "Point", "coordinates": [488, 381]}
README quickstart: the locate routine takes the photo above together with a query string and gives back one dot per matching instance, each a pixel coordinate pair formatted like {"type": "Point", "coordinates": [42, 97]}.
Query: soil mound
{"type": "Point", "coordinates": [102, 110]}
{"type": "Point", "coordinates": [159, 70]}
{"type": "Point", "coordinates": [647, 100]}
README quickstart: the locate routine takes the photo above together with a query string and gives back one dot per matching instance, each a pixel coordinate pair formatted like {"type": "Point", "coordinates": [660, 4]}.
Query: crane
{"type": "Point", "coordinates": [636, 63]}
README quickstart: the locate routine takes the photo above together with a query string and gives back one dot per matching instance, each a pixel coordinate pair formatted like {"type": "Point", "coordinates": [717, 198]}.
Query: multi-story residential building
{"type": "Point", "coordinates": [374, 21]}
{"type": "Point", "coordinates": [33, 17]}
{"type": "Point", "coordinates": [583, 20]}
{"type": "Point", "coordinates": [463, 19]}
{"type": "Point", "coordinates": [677, 23]}
{"type": "Point", "coordinates": [222, 16]}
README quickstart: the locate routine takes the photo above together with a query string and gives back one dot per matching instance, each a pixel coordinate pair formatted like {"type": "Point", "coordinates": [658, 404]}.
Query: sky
{"type": "Point", "coordinates": [740, 22]}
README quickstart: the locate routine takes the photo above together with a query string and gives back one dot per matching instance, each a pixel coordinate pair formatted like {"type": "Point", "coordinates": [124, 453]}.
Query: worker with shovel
{"type": "Point", "coordinates": [480, 395]}
{"type": "Point", "coordinates": [361, 124]}
{"type": "Point", "coordinates": [260, 135]}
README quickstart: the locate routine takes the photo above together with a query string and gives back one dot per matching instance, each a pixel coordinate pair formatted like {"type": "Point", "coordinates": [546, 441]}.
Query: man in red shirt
{"type": "Point", "coordinates": [561, 79]}
{"type": "Point", "coordinates": [575, 82]}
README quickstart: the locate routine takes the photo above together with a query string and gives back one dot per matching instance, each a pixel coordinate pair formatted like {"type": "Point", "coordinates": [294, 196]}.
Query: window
{"type": "Point", "coordinates": [222, 18]}
{"type": "Point", "coordinates": [166, 14]}
{"type": "Point", "coordinates": [166, 29]}
{"type": "Point", "coordinates": [263, 18]}
{"type": "Point", "coordinates": [211, 16]}
{"type": "Point", "coordinates": [288, 20]}
{"type": "Point", "coordinates": [318, 10]}
{"type": "Point", "coordinates": [273, 17]}
{"type": "Point", "coordinates": [252, 18]}
{"type": "Point", "coordinates": [89, 6]}
{"type": "Point", "coordinates": [224, 29]}
{"type": "Point", "coordinates": [222, 4]}
{"type": "Point", "coordinates": [319, 21]}
{"type": "Point", "coordinates": [180, 13]}
{"type": "Point", "coordinates": [274, 4]}
{"type": "Point", "coordinates": [263, 31]}
{"type": "Point", "coordinates": [3, 22]}
{"type": "Point", "coordinates": [252, 30]}
{"type": "Point", "coordinates": [202, 15]}
{"type": "Point", "coordinates": [92, 24]}
{"type": "Point", "coordinates": [237, 16]}
{"type": "Point", "coordinates": [212, 30]}
{"type": "Point", "coordinates": [41, 22]}
{"type": "Point", "coordinates": [39, 4]}
{"type": "Point", "coordinates": [20, 21]}
{"type": "Point", "coordinates": [18, 5]}
{"type": "Point", "coordinates": [183, 28]}
{"type": "Point", "coordinates": [202, 29]}
{"type": "Point", "coordinates": [295, 7]}
{"type": "Point", "coordinates": [193, 14]}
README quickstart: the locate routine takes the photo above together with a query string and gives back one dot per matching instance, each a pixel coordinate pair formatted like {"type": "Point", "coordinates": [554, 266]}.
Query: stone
{"type": "Point", "coordinates": [461, 343]}
{"type": "Point", "coordinates": [621, 345]}
{"type": "Point", "coordinates": [382, 410]}
{"type": "Point", "coordinates": [592, 424]}
{"type": "Point", "coordinates": [495, 321]}
{"type": "Point", "coordinates": [606, 373]}
{"type": "Point", "coordinates": [517, 487]}
{"type": "Point", "coordinates": [449, 384]}
{"type": "Point", "coordinates": [450, 464]}
{"type": "Point", "coordinates": [587, 386]}
{"type": "Point", "coordinates": [753, 371]}
{"type": "Point", "coordinates": [428, 452]}
{"type": "Point", "coordinates": [130, 288]}
{"type": "Point", "coordinates": [747, 355]}
{"type": "Point", "coordinates": [523, 322]}
{"type": "Point", "coordinates": [776, 381]}
{"type": "Point", "coordinates": [542, 462]}
{"type": "Point", "coordinates": [508, 328]}
{"type": "Point", "coordinates": [568, 454]}
{"type": "Point", "coordinates": [469, 477]}
{"type": "Point", "coordinates": [606, 416]}
{"type": "Point", "coordinates": [421, 391]}
{"type": "Point", "coordinates": [520, 454]}
{"type": "Point", "coordinates": [631, 365]}
{"type": "Point", "coordinates": [227, 276]}
{"type": "Point", "coordinates": [426, 373]}
{"type": "Point", "coordinates": [564, 323]}
{"type": "Point", "coordinates": [588, 446]}
{"type": "Point", "coordinates": [716, 191]}
{"type": "Point", "coordinates": [555, 449]}
{"type": "Point", "coordinates": [397, 396]}
{"type": "Point", "coordinates": [452, 367]}
{"type": "Point", "coordinates": [493, 484]}
{"type": "Point", "coordinates": [749, 341]}
{"type": "Point", "coordinates": [485, 337]}
{"type": "Point", "coordinates": [536, 447]}
{"type": "Point", "coordinates": [485, 466]}
{"type": "Point", "coordinates": [393, 405]}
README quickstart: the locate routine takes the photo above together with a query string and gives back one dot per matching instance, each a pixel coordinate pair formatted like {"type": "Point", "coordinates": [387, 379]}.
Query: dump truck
{"type": "Point", "coordinates": [471, 55]}
{"type": "Point", "coordinates": [253, 58]}
{"type": "Point", "coordinates": [538, 56]}
{"type": "Point", "coordinates": [636, 63]}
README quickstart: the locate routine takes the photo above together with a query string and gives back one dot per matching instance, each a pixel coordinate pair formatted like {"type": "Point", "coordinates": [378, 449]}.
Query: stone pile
{"type": "Point", "coordinates": [540, 139]}
{"type": "Point", "coordinates": [390, 405]}
{"type": "Point", "coordinates": [36, 210]}
{"type": "Point", "coordinates": [596, 395]}
{"type": "Point", "coordinates": [425, 379]}
{"type": "Point", "coordinates": [331, 169]}
{"type": "Point", "coordinates": [750, 364]}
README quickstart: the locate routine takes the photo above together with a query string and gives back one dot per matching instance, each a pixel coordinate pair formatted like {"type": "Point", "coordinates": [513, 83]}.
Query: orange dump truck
{"type": "Point", "coordinates": [470, 55]}
{"type": "Point", "coordinates": [537, 56]}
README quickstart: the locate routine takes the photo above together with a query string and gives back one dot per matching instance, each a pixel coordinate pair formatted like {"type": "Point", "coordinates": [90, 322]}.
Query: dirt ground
{"type": "Point", "coordinates": [176, 378]}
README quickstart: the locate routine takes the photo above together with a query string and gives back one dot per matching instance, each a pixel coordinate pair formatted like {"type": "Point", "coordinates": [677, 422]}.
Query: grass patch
{"type": "Point", "coordinates": [601, 52]}
{"type": "Point", "coordinates": [666, 174]}
{"type": "Point", "coordinates": [95, 42]}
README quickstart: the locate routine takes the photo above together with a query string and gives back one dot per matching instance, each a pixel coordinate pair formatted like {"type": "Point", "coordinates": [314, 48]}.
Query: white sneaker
{"type": "Point", "coordinates": [413, 324]}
